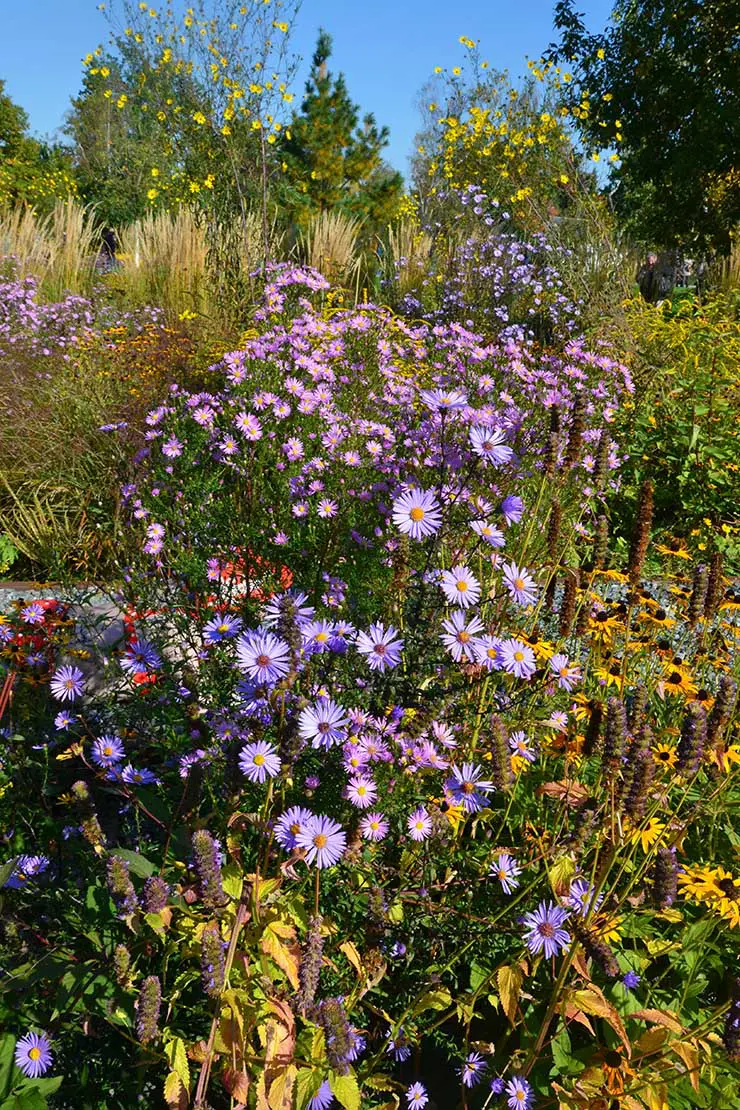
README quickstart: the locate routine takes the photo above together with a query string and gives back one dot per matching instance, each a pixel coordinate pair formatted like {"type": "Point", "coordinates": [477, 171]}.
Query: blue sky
{"type": "Point", "coordinates": [387, 49]}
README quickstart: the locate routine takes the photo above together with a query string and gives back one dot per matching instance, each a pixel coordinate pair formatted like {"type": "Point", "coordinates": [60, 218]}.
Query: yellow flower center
{"type": "Point", "coordinates": [320, 840]}
{"type": "Point", "coordinates": [463, 637]}
{"type": "Point", "coordinates": [518, 583]}
{"type": "Point", "coordinates": [416, 513]}
{"type": "Point", "coordinates": [258, 760]}
{"type": "Point", "coordinates": [462, 585]}
{"type": "Point", "coordinates": [519, 656]}
{"type": "Point", "coordinates": [34, 1053]}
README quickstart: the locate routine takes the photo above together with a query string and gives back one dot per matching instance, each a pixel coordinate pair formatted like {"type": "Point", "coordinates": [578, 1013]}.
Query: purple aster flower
{"type": "Point", "coordinates": [323, 723]}
{"type": "Point", "coordinates": [521, 586]}
{"type": "Point", "coordinates": [324, 841]}
{"type": "Point", "coordinates": [379, 646]}
{"type": "Point", "coordinates": [443, 399]}
{"type": "Point", "coordinates": [568, 676]}
{"type": "Point", "coordinates": [172, 448]}
{"type": "Point", "coordinates": [137, 777]}
{"type": "Point", "coordinates": [327, 508]}
{"type": "Point", "coordinates": [259, 761]}
{"type": "Point", "coordinates": [416, 1096]}
{"type": "Point", "coordinates": [26, 868]}
{"type": "Point", "coordinates": [290, 824]}
{"type": "Point", "coordinates": [292, 605]}
{"type": "Point", "coordinates": [33, 1054]}
{"type": "Point", "coordinates": [374, 826]}
{"type": "Point", "coordinates": [249, 426]}
{"type": "Point", "coordinates": [497, 1085]}
{"type": "Point", "coordinates": [416, 513]}
{"type": "Point", "coordinates": [512, 508]}
{"type": "Point", "coordinates": [519, 744]}
{"type": "Point", "coordinates": [221, 627]}
{"type": "Point", "coordinates": [141, 657]}
{"type": "Point", "coordinates": [581, 897]}
{"type": "Point", "coordinates": [630, 980]}
{"type": "Point", "coordinates": [419, 825]}
{"type": "Point", "coordinates": [293, 449]}
{"type": "Point", "coordinates": [228, 446]}
{"type": "Point", "coordinates": [459, 634]}
{"type": "Point", "coordinates": [473, 1069]}
{"type": "Point", "coordinates": [263, 656]}
{"type": "Point", "coordinates": [67, 683]}
{"type": "Point", "coordinates": [398, 1047]}
{"type": "Point", "coordinates": [490, 444]}
{"type": "Point", "coordinates": [107, 750]}
{"type": "Point", "coordinates": [519, 1094]}
{"type": "Point", "coordinates": [323, 1098]}
{"type": "Point", "coordinates": [467, 788]}
{"type": "Point", "coordinates": [487, 651]}
{"type": "Point", "coordinates": [506, 870]}
{"type": "Point", "coordinates": [362, 791]}
{"type": "Point", "coordinates": [488, 532]}
{"type": "Point", "coordinates": [33, 613]}
{"type": "Point", "coordinates": [317, 635]}
{"type": "Point", "coordinates": [545, 932]}
{"type": "Point", "coordinates": [64, 720]}
{"type": "Point", "coordinates": [460, 586]}
{"type": "Point", "coordinates": [517, 658]}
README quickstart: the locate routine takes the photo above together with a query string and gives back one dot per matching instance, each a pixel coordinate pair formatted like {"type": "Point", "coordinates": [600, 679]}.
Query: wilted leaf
{"type": "Point", "coordinates": [566, 790]}
{"type": "Point", "coordinates": [174, 1093]}
{"type": "Point", "coordinates": [280, 1094]}
{"type": "Point", "coordinates": [690, 1056]}
{"type": "Point", "coordinates": [236, 1083]}
{"type": "Point", "coordinates": [350, 951]}
{"type": "Point", "coordinates": [561, 873]}
{"type": "Point", "coordinates": [285, 958]}
{"type": "Point", "coordinates": [592, 1001]}
{"type": "Point", "coordinates": [652, 1040]}
{"type": "Point", "coordinates": [509, 981]}
{"type": "Point", "coordinates": [659, 1017]}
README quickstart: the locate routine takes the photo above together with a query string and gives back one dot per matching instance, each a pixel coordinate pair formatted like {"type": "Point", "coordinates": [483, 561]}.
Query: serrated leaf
{"type": "Point", "coordinates": [285, 958]}
{"type": "Point", "coordinates": [350, 951]}
{"type": "Point", "coordinates": [433, 1000]}
{"type": "Point", "coordinates": [280, 1095]}
{"type": "Point", "coordinates": [509, 981]}
{"type": "Point", "coordinates": [172, 1089]}
{"type": "Point", "coordinates": [237, 1084]}
{"type": "Point", "coordinates": [592, 1001]}
{"type": "Point", "coordinates": [345, 1090]}
{"type": "Point", "coordinates": [177, 1058]}
{"type": "Point", "coordinates": [690, 1056]}
{"type": "Point", "coordinates": [307, 1083]}
{"type": "Point", "coordinates": [659, 1017]}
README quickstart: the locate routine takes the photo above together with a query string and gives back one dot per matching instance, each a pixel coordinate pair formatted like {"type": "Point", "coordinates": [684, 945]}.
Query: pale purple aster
{"type": "Point", "coordinates": [506, 870]}
{"type": "Point", "coordinates": [249, 426]}
{"type": "Point", "coordinates": [323, 1098]}
{"type": "Point", "coordinates": [497, 1085]}
{"type": "Point", "coordinates": [459, 634]}
{"type": "Point", "coordinates": [25, 869]}
{"type": "Point", "coordinates": [63, 720]}
{"type": "Point", "coordinates": [379, 646]}
{"type": "Point", "coordinates": [358, 1044]}
{"type": "Point", "coordinates": [259, 761]}
{"type": "Point", "coordinates": [327, 508]}
{"type": "Point", "coordinates": [317, 635]}
{"type": "Point", "coordinates": [324, 723]}
{"type": "Point", "coordinates": [419, 824]}
{"type": "Point", "coordinates": [221, 627]}
{"type": "Point", "coordinates": [467, 788]}
{"type": "Point", "coordinates": [416, 1096]}
{"type": "Point", "coordinates": [512, 508]}
{"type": "Point", "coordinates": [67, 683]}
{"type": "Point", "coordinates": [203, 415]}
{"type": "Point", "coordinates": [517, 658]}
{"type": "Point", "coordinates": [416, 513]}
{"type": "Point", "coordinates": [490, 444]}
{"type": "Point", "coordinates": [487, 651]}
{"type": "Point", "coordinates": [33, 1055]}
{"type": "Point", "coordinates": [630, 980]}
{"type": "Point", "coordinates": [263, 656]}
{"type": "Point", "coordinates": [107, 750]}
{"type": "Point", "coordinates": [520, 745]}
{"type": "Point", "coordinates": [172, 448]}
{"type": "Point", "coordinates": [567, 675]}
{"type": "Point", "coordinates": [460, 586]}
{"type": "Point", "coordinates": [300, 509]}
{"type": "Point", "coordinates": [581, 897]}
{"type": "Point", "coordinates": [290, 824]}
{"type": "Point", "coordinates": [488, 532]}
{"type": "Point", "coordinates": [374, 826]}
{"type": "Point", "coordinates": [443, 399]}
{"type": "Point", "coordinates": [136, 776]}
{"type": "Point", "coordinates": [293, 449]}
{"type": "Point", "coordinates": [362, 791]}
{"type": "Point", "coordinates": [324, 841]}
{"type": "Point", "coordinates": [473, 1069]}
{"type": "Point", "coordinates": [519, 1094]}
{"type": "Point", "coordinates": [398, 1047]}
{"type": "Point", "coordinates": [228, 446]}
{"type": "Point", "coordinates": [290, 604]}
{"type": "Point", "coordinates": [351, 458]}
{"type": "Point", "coordinates": [544, 929]}
{"type": "Point", "coordinates": [520, 584]}
{"type": "Point", "coordinates": [140, 657]}
{"type": "Point", "coordinates": [33, 613]}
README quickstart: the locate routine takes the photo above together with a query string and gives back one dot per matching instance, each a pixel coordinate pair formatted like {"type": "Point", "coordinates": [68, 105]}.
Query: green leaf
{"type": "Point", "coordinates": [139, 864]}
{"type": "Point", "coordinates": [345, 1090]}
{"type": "Point", "coordinates": [433, 1000]}
{"type": "Point", "coordinates": [307, 1083]}
{"type": "Point", "coordinates": [177, 1058]}
{"type": "Point", "coordinates": [7, 1048]}
{"type": "Point", "coordinates": [6, 870]}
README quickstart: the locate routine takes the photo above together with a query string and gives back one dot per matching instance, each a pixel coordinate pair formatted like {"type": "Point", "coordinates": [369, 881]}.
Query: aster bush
{"type": "Point", "coordinates": [388, 787]}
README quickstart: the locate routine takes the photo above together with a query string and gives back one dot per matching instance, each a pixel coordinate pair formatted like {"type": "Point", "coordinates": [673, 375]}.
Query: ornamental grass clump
{"type": "Point", "coordinates": [386, 816]}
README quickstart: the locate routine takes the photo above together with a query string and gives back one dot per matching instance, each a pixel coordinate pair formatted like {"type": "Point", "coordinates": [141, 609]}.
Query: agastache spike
{"type": "Point", "coordinates": [207, 869]}
{"type": "Point", "coordinates": [641, 532]}
{"type": "Point", "coordinates": [596, 949]}
{"type": "Point", "coordinates": [311, 960]}
{"type": "Point", "coordinates": [693, 739]}
{"type": "Point", "coordinates": [615, 733]}
{"type": "Point", "coordinates": [121, 888]}
{"type": "Point", "coordinates": [212, 959]}
{"type": "Point", "coordinates": [156, 894]}
{"type": "Point", "coordinates": [500, 759]}
{"type": "Point", "coordinates": [697, 601]}
{"type": "Point", "coordinates": [575, 431]}
{"type": "Point", "coordinates": [665, 877]}
{"type": "Point", "coordinates": [147, 1010]}
{"type": "Point", "coordinates": [89, 823]}
{"type": "Point", "coordinates": [715, 584]}
{"type": "Point", "coordinates": [569, 602]}
{"type": "Point", "coordinates": [601, 543]}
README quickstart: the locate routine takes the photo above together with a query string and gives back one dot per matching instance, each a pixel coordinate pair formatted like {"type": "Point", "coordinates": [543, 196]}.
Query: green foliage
{"type": "Point", "coordinates": [662, 84]}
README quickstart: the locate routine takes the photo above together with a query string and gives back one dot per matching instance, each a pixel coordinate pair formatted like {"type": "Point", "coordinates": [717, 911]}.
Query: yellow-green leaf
{"type": "Point", "coordinates": [281, 955]}
{"type": "Point", "coordinates": [345, 1090]}
{"type": "Point", "coordinates": [172, 1088]}
{"type": "Point", "coordinates": [434, 1000]}
{"type": "Point", "coordinates": [509, 981]}
{"type": "Point", "coordinates": [280, 1095]}
{"type": "Point", "coordinates": [177, 1058]}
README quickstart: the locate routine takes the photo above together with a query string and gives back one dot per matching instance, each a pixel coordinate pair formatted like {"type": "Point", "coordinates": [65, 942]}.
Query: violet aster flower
{"type": "Point", "coordinates": [630, 980]}
{"type": "Point", "coordinates": [490, 444]}
{"type": "Point", "coordinates": [64, 720]}
{"type": "Point", "coordinates": [512, 508]}
{"type": "Point", "coordinates": [259, 761]}
{"type": "Point", "coordinates": [327, 508]}
{"type": "Point", "coordinates": [379, 646]}
{"type": "Point", "coordinates": [263, 656]}
{"type": "Point", "coordinates": [290, 824]}
{"type": "Point", "coordinates": [460, 586]}
{"type": "Point", "coordinates": [249, 426]}
{"type": "Point", "coordinates": [172, 448]}
{"type": "Point", "coordinates": [221, 627]}
{"type": "Point", "coordinates": [398, 1047]}
{"type": "Point", "coordinates": [138, 777]}
{"type": "Point", "coordinates": [459, 635]}
{"type": "Point", "coordinates": [26, 868]}
{"type": "Point", "coordinates": [317, 635]}
{"type": "Point", "coordinates": [443, 399]}
{"type": "Point", "coordinates": [33, 613]}
{"type": "Point", "coordinates": [416, 1096]}
{"type": "Point", "coordinates": [33, 1054]}
{"type": "Point", "coordinates": [519, 1094]}
{"type": "Point", "coordinates": [374, 826]}
{"type": "Point", "coordinates": [141, 657]}
{"type": "Point", "coordinates": [487, 651]}
{"type": "Point", "coordinates": [324, 723]}
{"type": "Point", "coordinates": [324, 841]}
{"type": "Point", "coordinates": [519, 744]}
{"type": "Point", "coordinates": [67, 683]}
{"type": "Point", "coordinates": [323, 1098]}
{"type": "Point", "coordinates": [520, 584]}
{"type": "Point", "coordinates": [581, 897]}
{"type": "Point", "coordinates": [517, 658]}
{"type": "Point", "coordinates": [473, 1069]}
{"type": "Point", "coordinates": [567, 675]}
{"type": "Point", "coordinates": [107, 750]}
{"type": "Point", "coordinates": [362, 791]}
{"type": "Point", "coordinates": [467, 788]}
{"type": "Point", "coordinates": [419, 825]}
{"type": "Point", "coordinates": [488, 532]}
{"type": "Point", "coordinates": [506, 870]}
{"type": "Point", "coordinates": [545, 932]}
{"type": "Point", "coordinates": [416, 513]}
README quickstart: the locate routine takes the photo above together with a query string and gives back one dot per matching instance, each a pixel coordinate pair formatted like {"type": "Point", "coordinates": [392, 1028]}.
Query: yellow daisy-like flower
{"type": "Point", "coordinates": [647, 835]}
{"type": "Point", "coordinates": [728, 758]}
{"type": "Point", "coordinates": [676, 682]}
{"type": "Point", "coordinates": [665, 755]}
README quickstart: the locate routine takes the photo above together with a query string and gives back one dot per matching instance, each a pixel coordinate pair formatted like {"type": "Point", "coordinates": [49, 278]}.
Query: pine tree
{"type": "Point", "coordinates": [330, 159]}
